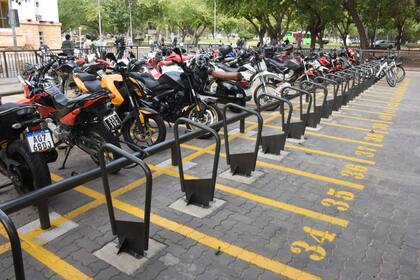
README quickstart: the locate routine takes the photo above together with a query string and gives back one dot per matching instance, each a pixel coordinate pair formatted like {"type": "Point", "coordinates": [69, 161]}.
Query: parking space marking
{"type": "Point", "coordinates": [373, 100]}
{"type": "Point", "coordinates": [294, 171]}
{"type": "Point", "coordinates": [360, 118]}
{"type": "Point", "coordinates": [349, 127]}
{"type": "Point", "coordinates": [378, 96]}
{"type": "Point", "coordinates": [263, 200]}
{"type": "Point", "coordinates": [4, 248]}
{"type": "Point", "coordinates": [369, 106]}
{"type": "Point", "coordinates": [49, 259]}
{"type": "Point", "coordinates": [204, 239]}
{"type": "Point", "coordinates": [366, 111]}
{"type": "Point", "coordinates": [342, 139]}
{"type": "Point", "coordinates": [319, 152]}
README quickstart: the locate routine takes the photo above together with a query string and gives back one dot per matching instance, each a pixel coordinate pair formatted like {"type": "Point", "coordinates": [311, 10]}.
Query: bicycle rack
{"type": "Point", "coordinates": [338, 101]}
{"type": "Point", "coordinates": [321, 110]}
{"type": "Point", "coordinates": [14, 244]}
{"type": "Point", "coordinates": [297, 129]}
{"type": "Point", "coordinates": [197, 191]}
{"type": "Point", "coordinates": [329, 104]}
{"type": "Point", "coordinates": [273, 144]}
{"type": "Point", "coordinates": [347, 90]}
{"type": "Point", "coordinates": [243, 163]}
{"type": "Point", "coordinates": [133, 237]}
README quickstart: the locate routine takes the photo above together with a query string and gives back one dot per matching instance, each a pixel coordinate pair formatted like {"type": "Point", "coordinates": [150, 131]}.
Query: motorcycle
{"type": "Point", "coordinates": [176, 94]}
{"type": "Point", "coordinates": [86, 121]}
{"type": "Point", "coordinates": [140, 125]}
{"type": "Point", "coordinates": [26, 147]}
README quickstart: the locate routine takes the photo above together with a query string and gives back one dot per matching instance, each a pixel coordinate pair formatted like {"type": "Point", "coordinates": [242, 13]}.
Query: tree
{"type": "Point", "coordinates": [400, 15]}
{"type": "Point", "coordinates": [342, 22]}
{"type": "Point", "coordinates": [351, 7]}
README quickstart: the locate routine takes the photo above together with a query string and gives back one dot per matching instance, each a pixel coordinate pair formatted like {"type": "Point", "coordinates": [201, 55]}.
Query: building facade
{"type": "Point", "coordinates": [39, 24]}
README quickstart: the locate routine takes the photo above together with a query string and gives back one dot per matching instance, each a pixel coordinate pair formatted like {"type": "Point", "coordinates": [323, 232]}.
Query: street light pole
{"type": "Point", "coordinates": [13, 24]}
{"type": "Point", "coordinates": [214, 21]}
{"type": "Point", "coordinates": [130, 2]}
{"type": "Point", "coordinates": [100, 20]}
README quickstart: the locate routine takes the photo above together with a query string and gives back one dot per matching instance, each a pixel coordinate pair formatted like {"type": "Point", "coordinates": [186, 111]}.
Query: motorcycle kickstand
{"type": "Point", "coordinates": [67, 153]}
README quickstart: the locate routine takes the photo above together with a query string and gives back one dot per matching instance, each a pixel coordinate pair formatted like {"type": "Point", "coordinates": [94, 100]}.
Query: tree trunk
{"type": "Point", "coordinates": [344, 39]}
{"type": "Point", "coordinates": [399, 37]}
{"type": "Point", "coordinates": [313, 39]}
{"type": "Point", "coordinates": [350, 6]}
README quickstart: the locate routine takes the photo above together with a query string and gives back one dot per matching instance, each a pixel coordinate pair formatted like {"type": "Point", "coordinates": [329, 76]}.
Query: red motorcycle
{"type": "Point", "coordinates": [86, 121]}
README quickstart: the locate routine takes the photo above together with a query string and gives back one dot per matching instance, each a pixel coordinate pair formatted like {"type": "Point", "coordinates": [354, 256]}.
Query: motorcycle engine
{"type": "Point", "coordinates": [60, 134]}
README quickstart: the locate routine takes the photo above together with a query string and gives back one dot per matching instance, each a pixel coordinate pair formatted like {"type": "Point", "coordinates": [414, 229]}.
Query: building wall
{"type": "Point", "coordinates": [35, 16]}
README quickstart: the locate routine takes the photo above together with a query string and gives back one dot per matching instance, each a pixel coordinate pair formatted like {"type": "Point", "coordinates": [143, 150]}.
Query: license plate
{"type": "Point", "coordinates": [112, 121]}
{"type": "Point", "coordinates": [39, 140]}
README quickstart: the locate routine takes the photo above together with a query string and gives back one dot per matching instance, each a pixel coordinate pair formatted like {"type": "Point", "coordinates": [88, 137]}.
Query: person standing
{"type": "Point", "coordinates": [68, 46]}
{"type": "Point", "coordinates": [88, 43]}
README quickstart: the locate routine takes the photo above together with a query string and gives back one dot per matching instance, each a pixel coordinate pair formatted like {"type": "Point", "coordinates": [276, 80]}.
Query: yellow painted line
{"type": "Point", "coordinates": [365, 111]}
{"type": "Point", "coordinates": [373, 100]}
{"type": "Point", "coordinates": [264, 200]}
{"type": "Point", "coordinates": [4, 248]}
{"type": "Point", "coordinates": [207, 240]}
{"type": "Point", "coordinates": [49, 259]}
{"type": "Point", "coordinates": [298, 172]}
{"type": "Point", "coordinates": [361, 118]}
{"type": "Point", "coordinates": [350, 127]}
{"type": "Point", "coordinates": [216, 244]}
{"type": "Point", "coordinates": [368, 106]}
{"type": "Point", "coordinates": [342, 139]}
{"type": "Point", "coordinates": [319, 152]}
{"type": "Point", "coordinates": [380, 96]}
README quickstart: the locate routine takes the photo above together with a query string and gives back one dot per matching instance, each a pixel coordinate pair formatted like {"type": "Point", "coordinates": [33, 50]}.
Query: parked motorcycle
{"type": "Point", "coordinates": [86, 121]}
{"type": "Point", "coordinates": [26, 147]}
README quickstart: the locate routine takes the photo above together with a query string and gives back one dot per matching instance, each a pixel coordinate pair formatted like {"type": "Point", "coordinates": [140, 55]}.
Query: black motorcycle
{"type": "Point", "coordinates": [177, 94]}
{"type": "Point", "coordinates": [26, 147]}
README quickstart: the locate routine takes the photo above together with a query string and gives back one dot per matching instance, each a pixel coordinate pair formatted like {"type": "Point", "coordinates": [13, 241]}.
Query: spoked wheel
{"type": "Point", "coordinates": [267, 89]}
{"type": "Point", "coordinates": [32, 173]}
{"type": "Point", "coordinates": [208, 115]}
{"type": "Point", "coordinates": [400, 73]}
{"type": "Point", "coordinates": [153, 131]}
{"type": "Point", "coordinates": [390, 78]}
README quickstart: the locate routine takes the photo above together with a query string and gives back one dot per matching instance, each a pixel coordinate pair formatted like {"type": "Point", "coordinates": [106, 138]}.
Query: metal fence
{"type": "Point", "coordinates": [12, 62]}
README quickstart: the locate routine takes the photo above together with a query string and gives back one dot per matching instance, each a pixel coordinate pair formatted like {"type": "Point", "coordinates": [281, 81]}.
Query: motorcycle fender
{"type": "Point", "coordinates": [148, 111]}
{"type": "Point", "coordinates": [207, 100]}
{"type": "Point", "coordinates": [24, 101]}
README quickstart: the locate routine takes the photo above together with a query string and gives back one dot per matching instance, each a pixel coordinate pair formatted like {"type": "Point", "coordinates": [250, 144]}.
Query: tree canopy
{"type": "Point", "coordinates": [272, 18]}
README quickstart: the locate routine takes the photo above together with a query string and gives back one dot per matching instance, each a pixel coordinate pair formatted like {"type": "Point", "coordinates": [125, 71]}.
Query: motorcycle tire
{"type": "Point", "coordinates": [130, 132]}
{"type": "Point", "coordinates": [212, 116]}
{"type": "Point", "coordinates": [260, 90]}
{"type": "Point", "coordinates": [33, 172]}
{"type": "Point", "coordinates": [100, 133]}
{"type": "Point", "coordinates": [400, 72]}
{"type": "Point", "coordinates": [240, 102]}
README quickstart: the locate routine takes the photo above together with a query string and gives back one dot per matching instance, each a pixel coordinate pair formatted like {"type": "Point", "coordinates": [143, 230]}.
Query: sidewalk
{"type": "Point", "coordinates": [10, 86]}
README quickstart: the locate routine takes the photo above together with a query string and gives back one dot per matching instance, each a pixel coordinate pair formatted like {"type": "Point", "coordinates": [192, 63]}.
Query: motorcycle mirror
{"type": "Point", "coordinates": [132, 55]}
{"type": "Point", "coordinates": [111, 57]}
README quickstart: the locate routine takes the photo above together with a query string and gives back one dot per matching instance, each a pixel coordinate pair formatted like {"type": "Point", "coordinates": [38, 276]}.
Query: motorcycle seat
{"type": "Point", "coordinates": [8, 108]}
{"type": "Point", "coordinates": [147, 80]}
{"type": "Point", "coordinates": [279, 66]}
{"type": "Point", "coordinates": [93, 86]}
{"type": "Point", "coordinates": [71, 102]}
{"type": "Point", "coordinates": [85, 76]}
{"type": "Point", "coordinates": [228, 69]}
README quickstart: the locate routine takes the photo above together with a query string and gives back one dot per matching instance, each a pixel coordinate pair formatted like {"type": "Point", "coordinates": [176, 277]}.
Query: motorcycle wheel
{"type": "Point", "coordinates": [240, 102]}
{"type": "Point", "coordinates": [101, 135]}
{"type": "Point", "coordinates": [32, 173]}
{"type": "Point", "coordinates": [155, 131]}
{"type": "Point", "coordinates": [211, 115]}
{"type": "Point", "coordinates": [400, 73]}
{"type": "Point", "coordinates": [269, 89]}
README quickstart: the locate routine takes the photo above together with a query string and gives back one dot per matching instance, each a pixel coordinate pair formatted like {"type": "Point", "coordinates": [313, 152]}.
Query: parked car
{"type": "Point", "coordinates": [384, 44]}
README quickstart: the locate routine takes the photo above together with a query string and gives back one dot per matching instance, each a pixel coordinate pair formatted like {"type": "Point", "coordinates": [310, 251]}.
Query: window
{"type": "Point", "coordinates": [4, 10]}
{"type": "Point", "coordinates": [41, 37]}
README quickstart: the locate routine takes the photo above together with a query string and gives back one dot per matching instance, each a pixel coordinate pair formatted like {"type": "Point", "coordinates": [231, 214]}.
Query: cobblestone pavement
{"type": "Point", "coordinates": [343, 204]}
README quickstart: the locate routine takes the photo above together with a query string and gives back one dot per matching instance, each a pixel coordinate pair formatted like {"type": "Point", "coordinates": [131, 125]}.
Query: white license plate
{"type": "Point", "coordinates": [112, 121]}
{"type": "Point", "coordinates": [39, 140]}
